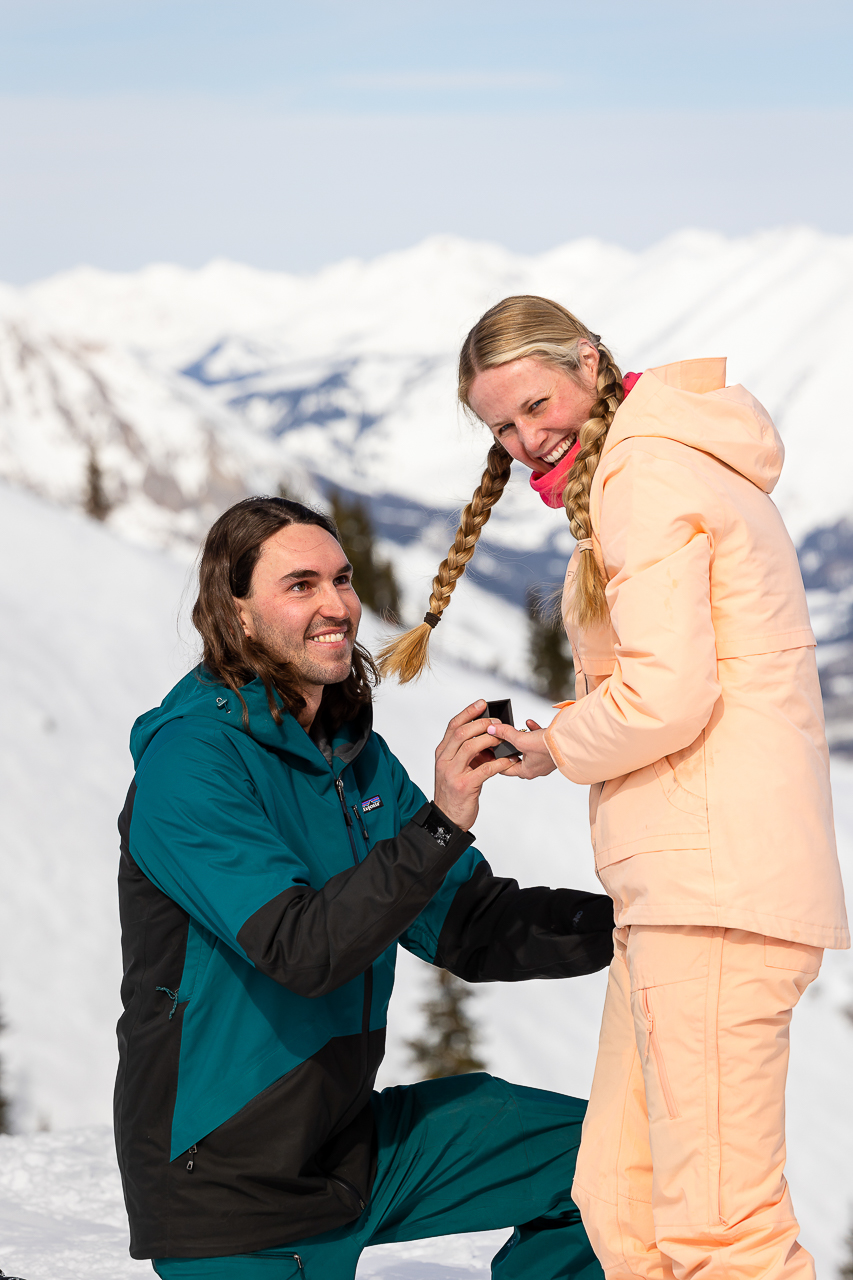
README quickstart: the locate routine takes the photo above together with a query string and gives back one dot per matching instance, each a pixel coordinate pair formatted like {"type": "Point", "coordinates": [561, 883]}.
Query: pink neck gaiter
{"type": "Point", "coordinates": [551, 484]}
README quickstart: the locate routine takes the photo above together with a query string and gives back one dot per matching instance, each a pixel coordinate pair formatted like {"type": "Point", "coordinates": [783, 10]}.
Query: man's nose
{"type": "Point", "coordinates": [331, 604]}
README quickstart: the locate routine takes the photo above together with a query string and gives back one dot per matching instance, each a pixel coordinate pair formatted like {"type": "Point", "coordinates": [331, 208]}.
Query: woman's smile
{"type": "Point", "coordinates": [561, 450]}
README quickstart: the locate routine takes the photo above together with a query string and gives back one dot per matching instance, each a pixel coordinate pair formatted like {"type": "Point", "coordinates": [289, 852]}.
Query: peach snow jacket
{"type": "Point", "coordinates": [699, 722]}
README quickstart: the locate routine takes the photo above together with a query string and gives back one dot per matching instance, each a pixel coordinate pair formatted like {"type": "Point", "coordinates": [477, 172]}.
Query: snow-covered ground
{"type": "Point", "coordinates": [90, 641]}
{"type": "Point", "coordinates": [62, 1218]}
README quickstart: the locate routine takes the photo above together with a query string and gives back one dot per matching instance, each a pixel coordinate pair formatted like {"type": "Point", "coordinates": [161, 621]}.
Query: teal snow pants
{"type": "Point", "coordinates": [467, 1153]}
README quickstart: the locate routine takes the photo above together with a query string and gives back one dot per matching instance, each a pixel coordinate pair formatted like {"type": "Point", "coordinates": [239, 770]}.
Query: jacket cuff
{"type": "Point", "coordinates": [594, 915]}
{"type": "Point", "coordinates": [444, 832]}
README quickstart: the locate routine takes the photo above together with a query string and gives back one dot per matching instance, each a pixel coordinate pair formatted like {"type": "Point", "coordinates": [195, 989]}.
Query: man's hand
{"type": "Point", "coordinates": [463, 762]}
{"type": "Point", "coordinates": [536, 758]}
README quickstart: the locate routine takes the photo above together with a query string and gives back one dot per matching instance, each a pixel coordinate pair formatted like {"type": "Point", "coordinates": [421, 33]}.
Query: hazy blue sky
{"type": "Point", "coordinates": [289, 134]}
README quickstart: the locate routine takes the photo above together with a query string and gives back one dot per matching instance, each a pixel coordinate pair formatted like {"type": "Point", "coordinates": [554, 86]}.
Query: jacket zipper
{"type": "Point", "coordinates": [368, 975]}
{"type": "Point", "coordinates": [360, 822]}
{"type": "Point", "coordinates": [653, 1043]}
{"type": "Point", "coordinates": [191, 1153]}
{"type": "Point", "coordinates": [339, 787]}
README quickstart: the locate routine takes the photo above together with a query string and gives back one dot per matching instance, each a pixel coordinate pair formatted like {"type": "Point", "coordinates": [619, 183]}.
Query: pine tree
{"type": "Point", "coordinates": [96, 503]}
{"type": "Point", "coordinates": [373, 579]}
{"type": "Point", "coordinates": [552, 669]}
{"type": "Point", "coordinates": [845, 1271]}
{"type": "Point", "coordinates": [448, 1047]}
{"type": "Point", "coordinates": [4, 1101]}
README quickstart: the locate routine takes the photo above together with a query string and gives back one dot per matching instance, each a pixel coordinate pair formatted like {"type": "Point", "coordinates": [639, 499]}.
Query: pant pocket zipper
{"type": "Point", "coordinates": [653, 1043]}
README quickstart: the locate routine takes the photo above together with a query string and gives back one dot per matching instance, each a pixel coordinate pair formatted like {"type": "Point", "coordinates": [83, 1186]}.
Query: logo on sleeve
{"type": "Point", "coordinates": [367, 806]}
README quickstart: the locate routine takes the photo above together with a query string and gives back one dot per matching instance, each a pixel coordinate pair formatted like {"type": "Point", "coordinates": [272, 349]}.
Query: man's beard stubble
{"type": "Point", "coordinates": [299, 659]}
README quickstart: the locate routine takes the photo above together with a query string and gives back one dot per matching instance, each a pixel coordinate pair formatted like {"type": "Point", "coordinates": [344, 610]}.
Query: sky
{"type": "Point", "coordinates": [289, 135]}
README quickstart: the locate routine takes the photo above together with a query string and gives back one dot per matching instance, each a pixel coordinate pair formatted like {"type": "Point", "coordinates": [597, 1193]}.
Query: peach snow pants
{"type": "Point", "coordinates": [681, 1164]}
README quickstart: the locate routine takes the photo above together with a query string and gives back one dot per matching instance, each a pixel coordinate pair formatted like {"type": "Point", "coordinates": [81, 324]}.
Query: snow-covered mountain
{"type": "Point", "coordinates": [193, 387]}
{"type": "Point", "coordinates": [92, 639]}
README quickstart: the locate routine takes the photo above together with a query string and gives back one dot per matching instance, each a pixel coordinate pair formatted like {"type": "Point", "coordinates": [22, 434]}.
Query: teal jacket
{"type": "Point", "coordinates": [267, 876]}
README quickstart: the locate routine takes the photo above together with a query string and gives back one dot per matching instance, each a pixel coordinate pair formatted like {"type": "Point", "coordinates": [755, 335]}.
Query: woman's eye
{"type": "Point", "coordinates": [537, 403]}
{"type": "Point", "coordinates": [507, 426]}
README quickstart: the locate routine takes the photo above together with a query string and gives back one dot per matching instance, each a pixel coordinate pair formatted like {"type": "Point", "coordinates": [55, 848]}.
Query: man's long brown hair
{"type": "Point", "coordinates": [231, 551]}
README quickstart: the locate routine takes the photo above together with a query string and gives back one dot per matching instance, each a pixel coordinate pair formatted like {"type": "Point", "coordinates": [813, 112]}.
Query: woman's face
{"type": "Point", "coordinates": [535, 409]}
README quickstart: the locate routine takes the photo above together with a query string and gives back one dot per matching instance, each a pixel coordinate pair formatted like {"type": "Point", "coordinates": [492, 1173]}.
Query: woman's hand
{"type": "Point", "coordinates": [463, 762]}
{"type": "Point", "coordinates": [536, 758]}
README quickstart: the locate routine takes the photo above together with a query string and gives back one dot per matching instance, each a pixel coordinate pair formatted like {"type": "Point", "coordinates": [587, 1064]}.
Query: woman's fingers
{"type": "Point", "coordinates": [536, 761]}
{"type": "Point", "coordinates": [505, 732]}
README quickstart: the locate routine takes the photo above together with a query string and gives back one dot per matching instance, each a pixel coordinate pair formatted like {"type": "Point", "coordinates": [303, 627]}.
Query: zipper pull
{"type": "Point", "coordinates": [339, 786]}
{"type": "Point", "coordinates": [192, 1151]}
{"type": "Point", "coordinates": [360, 821]}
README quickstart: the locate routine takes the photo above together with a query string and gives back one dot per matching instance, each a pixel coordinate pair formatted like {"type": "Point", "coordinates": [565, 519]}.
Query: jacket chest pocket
{"type": "Point", "coordinates": [658, 808]}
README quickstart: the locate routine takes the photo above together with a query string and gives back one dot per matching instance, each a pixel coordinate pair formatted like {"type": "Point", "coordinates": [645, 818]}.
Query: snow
{"type": "Point", "coordinates": [92, 641]}
{"type": "Point", "coordinates": [62, 1218]}
{"type": "Point", "coordinates": [350, 372]}
{"type": "Point", "coordinates": [194, 388]}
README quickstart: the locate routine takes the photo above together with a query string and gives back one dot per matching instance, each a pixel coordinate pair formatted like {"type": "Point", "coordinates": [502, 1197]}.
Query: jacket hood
{"type": "Point", "coordinates": [691, 403]}
{"type": "Point", "coordinates": [198, 694]}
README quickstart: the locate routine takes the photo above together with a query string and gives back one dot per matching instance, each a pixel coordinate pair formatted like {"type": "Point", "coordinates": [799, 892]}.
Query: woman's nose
{"type": "Point", "coordinates": [532, 436]}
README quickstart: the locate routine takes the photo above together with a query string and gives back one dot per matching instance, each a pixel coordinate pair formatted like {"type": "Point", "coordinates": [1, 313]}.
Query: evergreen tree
{"type": "Point", "coordinates": [449, 1044]}
{"type": "Point", "coordinates": [551, 666]}
{"type": "Point", "coordinates": [4, 1101]}
{"type": "Point", "coordinates": [845, 1271]}
{"type": "Point", "coordinates": [373, 579]}
{"type": "Point", "coordinates": [96, 503]}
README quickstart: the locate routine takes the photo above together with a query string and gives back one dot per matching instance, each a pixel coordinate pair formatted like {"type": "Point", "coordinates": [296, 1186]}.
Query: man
{"type": "Point", "coordinates": [274, 852]}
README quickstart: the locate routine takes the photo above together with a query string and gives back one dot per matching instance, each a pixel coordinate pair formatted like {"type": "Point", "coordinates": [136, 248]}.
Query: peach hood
{"type": "Point", "coordinates": [733, 427]}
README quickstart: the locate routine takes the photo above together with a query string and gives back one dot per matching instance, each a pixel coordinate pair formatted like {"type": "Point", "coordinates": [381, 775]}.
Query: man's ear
{"type": "Point", "coordinates": [245, 618]}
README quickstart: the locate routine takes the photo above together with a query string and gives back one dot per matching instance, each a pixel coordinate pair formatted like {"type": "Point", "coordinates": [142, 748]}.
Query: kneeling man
{"type": "Point", "coordinates": [274, 853]}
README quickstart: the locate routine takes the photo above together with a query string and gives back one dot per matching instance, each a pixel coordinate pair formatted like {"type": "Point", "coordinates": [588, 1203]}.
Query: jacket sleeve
{"type": "Point", "coordinates": [497, 932]}
{"type": "Point", "coordinates": [199, 832]}
{"type": "Point", "coordinates": [657, 548]}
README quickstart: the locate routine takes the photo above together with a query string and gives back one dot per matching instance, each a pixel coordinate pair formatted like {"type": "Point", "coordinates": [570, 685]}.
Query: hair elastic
{"type": "Point", "coordinates": [432, 619]}
{"type": "Point", "coordinates": [585, 544]}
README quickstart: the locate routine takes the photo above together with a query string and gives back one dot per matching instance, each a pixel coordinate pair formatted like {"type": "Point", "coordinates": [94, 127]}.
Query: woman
{"type": "Point", "coordinates": [699, 727]}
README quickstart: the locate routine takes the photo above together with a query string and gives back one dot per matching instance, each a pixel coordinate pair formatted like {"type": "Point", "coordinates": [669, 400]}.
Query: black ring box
{"type": "Point", "coordinates": [501, 709]}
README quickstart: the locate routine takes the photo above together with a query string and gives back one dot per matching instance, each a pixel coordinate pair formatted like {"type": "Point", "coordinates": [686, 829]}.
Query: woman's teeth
{"type": "Point", "coordinates": [556, 454]}
{"type": "Point", "coordinates": [335, 637]}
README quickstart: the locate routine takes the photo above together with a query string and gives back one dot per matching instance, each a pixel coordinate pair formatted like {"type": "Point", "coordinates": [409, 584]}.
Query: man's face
{"type": "Point", "coordinates": [301, 607]}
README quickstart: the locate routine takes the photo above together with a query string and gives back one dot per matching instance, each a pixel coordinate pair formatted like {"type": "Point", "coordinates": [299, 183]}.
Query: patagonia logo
{"type": "Point", "coordinates": [367, 806]}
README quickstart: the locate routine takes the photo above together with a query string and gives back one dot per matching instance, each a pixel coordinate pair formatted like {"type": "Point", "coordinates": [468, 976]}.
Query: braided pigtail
{"type": "Point", "coordinates": [589, 604]}
{"type": "Point", "coordinates": [406, 656]}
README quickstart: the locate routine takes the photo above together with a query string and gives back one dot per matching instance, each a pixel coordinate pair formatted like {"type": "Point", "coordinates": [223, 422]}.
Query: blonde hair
{"type": "Point", "coordinates": [516, 328]}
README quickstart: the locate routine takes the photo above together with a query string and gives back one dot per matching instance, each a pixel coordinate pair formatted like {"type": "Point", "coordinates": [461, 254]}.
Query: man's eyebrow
{"type": "Point", "coordinates": [299, 575]}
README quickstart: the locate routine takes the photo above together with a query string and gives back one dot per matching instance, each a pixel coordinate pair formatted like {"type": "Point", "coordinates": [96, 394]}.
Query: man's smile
{"type": "Point", "coordinates": [338, 636]}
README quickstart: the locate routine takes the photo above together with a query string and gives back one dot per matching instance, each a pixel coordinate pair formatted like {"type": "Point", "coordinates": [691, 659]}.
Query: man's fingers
{"type": "Point", "coordinates": [457, 738]}
{"type": "Point", "coordinates": [473, 746]}
{"type": "Point", "coordinates": [476, 777]}
{"type": "Point", "coordinates": [473, 712]}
